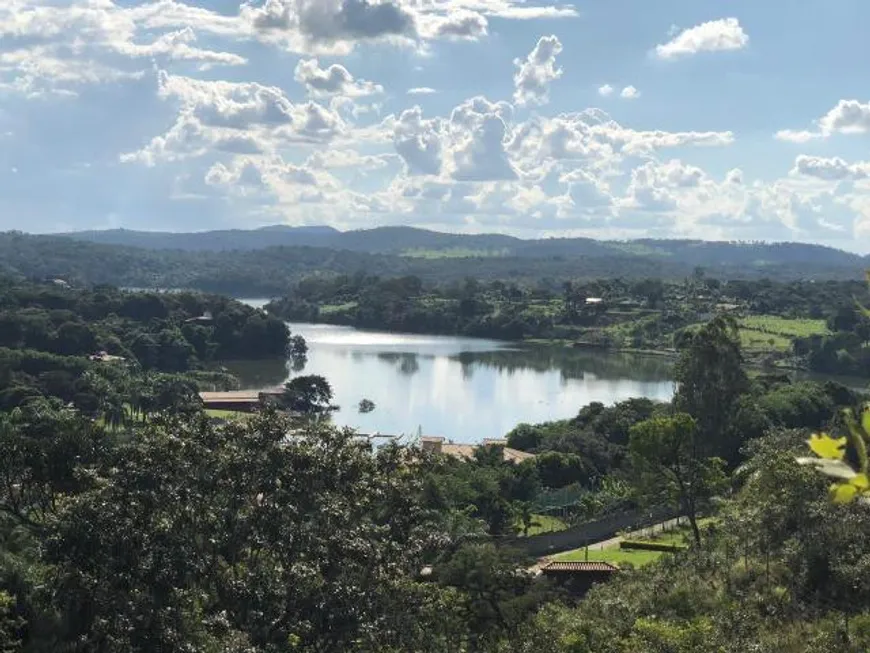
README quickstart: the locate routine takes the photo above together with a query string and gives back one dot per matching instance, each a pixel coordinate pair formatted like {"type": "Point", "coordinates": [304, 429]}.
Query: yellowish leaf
{"type": "Point", "coordinates": [843, 493]}
{"type": "Point", "coordinates": [824, 446]}
{"type": "Point", "coordinates": [861, 482]}
{"type": "Point", "coordinates": [865, 421]}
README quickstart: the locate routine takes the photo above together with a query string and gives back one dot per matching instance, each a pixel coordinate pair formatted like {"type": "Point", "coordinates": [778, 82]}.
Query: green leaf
{"type": "Point", "coordinates": [865, 421]}
{"type": "Point", "coordinates": [824, 446]}
{"type": "Point", "coordinates": [861, 482]}
{"type": "Point", "coordinates": [843, 493]}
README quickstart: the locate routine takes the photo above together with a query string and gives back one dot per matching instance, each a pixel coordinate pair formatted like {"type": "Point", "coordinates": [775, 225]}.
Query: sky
{"type": "Point", "coordinates": [713, 119]}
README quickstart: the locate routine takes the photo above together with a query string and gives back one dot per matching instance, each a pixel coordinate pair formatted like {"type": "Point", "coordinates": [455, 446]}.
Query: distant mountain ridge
{"type": "Point", "coordinates": [414, 241]}
{"type": "Point", "coordinates": [271, 271]}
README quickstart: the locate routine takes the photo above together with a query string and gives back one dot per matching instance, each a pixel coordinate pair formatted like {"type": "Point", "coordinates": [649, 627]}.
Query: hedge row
{"type": "Point", "coordinates": [641, 545]}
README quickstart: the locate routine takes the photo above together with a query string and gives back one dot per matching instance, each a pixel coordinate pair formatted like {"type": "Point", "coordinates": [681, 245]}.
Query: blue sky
{"type": "Point", "coordinates": [737, 120]}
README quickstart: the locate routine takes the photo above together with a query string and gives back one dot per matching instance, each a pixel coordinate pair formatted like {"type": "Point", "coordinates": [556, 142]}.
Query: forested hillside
{"type": "Point", "coordinates": [420, 242]}
{"type": "Point", "coordinates": [272, 271]}
{"type": "Point", "coordinates": [80, 344]}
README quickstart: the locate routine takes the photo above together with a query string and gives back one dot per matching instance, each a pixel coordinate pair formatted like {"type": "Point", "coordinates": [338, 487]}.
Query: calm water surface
{"type": "Point", "coordinates": [462, 388]}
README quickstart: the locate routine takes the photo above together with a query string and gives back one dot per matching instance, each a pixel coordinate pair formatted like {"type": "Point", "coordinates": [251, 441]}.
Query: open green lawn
{"type": "Point", "coordinates": [326, 309]}
{"type": "Point", "coordinates": [791, 328]}
{"type": "Point", "coordinates": [614, 556]}
{"type": "Point", "coordinates": [454, 252]}
{"type": "Point", "coordinates": [757, 340]}
{"type": "Point", "coordinates": [544, 524]}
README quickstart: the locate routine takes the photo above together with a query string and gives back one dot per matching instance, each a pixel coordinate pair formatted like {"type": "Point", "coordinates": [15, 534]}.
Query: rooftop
{"type": "Point", "coordinates": [578, 567]}
{"type": "Point", "coordinates": [466, 451]}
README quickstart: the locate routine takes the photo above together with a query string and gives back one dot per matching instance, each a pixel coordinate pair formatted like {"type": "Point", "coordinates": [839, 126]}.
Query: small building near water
{"type": "Point", "coordinates": [243, 401]}
{"type": "Point", "coordinates": [579, 577]}
{"type": "Point", "coordinates": [466, 451]}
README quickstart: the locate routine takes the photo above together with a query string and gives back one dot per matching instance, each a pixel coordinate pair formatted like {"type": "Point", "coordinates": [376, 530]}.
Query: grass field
{"type": "Point", "coordinates": [797, 328]}
{"type": "Point", "coordinates": [326, 309]}
{"type": "Point", "coordinates": [614, 556]}
{"type": "Point", "coordinates": [756, 340]}
{"type": "Point", "coordinates": [454, 252]}
{"type": "Point", "coordinates": [617, 556]}
{"type": "Point", "coordinates": [770, 332]}
{"type": "Point", "coordinates": [545, 524]}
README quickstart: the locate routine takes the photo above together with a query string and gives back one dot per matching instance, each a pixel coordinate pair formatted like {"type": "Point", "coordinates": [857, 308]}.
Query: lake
{"type": "Point", "coordinates": [465, 389]}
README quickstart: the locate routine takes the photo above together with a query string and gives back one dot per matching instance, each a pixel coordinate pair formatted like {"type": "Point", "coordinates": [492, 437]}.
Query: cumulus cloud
{"type": "Point", "coordinates": [233, 116]}
{"type": "Point", "coordinates": [482, 163]}
{"type": "Point", "coordinates": [461, 25]}
{"type": "Point", "coordinates": [179, 46]}
{"type": "Point", "coordinates": [658, 186]}
{"type": "Point", "coordinates": [847, 117]}
{"type": "Point", "coordinates": [638, 142]}
{"type": "Point", "coordinates": [55, 48]}
{"type": "Point", "coordinates": [335, 80]}
{"type": "Point", "coordinates": [336, 159]}
{"type": "Point", "coordinates": [830, 169]}
{"type": "Point", "coordinates": [481, 155]}
{"type": "Point", "coordinates": [712, 36]}
{"type": "Point", "coordinates": [266, 172]}
{"type": "Point", "coordinates": [418, 142]}
{"type": "Point", "coordinates": [330, 25]}
{"type": "Point", "coordinates": [536, 72]}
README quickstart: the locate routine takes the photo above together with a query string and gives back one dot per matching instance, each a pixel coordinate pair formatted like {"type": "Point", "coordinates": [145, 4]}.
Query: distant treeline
{"type": "Point", "coordinates": [608, 313]}
{"type": "Point", "coordinates": [271, 271]}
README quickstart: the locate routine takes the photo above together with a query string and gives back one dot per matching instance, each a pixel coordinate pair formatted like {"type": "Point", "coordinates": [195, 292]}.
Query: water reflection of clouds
{"type": "Point", "coordinates": [460, 388]}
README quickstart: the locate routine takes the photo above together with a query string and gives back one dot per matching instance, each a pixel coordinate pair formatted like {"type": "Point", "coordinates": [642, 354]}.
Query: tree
{"type": "Point", "coordinates": [234, 538]}
{"type": "Point", "coordinates": [43, 448]}
{"type": "Point", "coordinates": [366, 406]}
{"type": "Point", "coordinates": [310, 396]}
{"type": "Point", "coordinates": [710, 380]}
{"type": "Point", "coordinates": [668, 464]}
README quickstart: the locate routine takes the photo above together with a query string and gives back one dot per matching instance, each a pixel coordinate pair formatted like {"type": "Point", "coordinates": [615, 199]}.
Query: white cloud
{"type": "Point", "coordinates": [236, 117]}
{"type": "Point", "coordinates": [268, 173]}
{"type": "Point", "coordinates": [831, 169]}
{"type": "Point", "coordinates": [713, 36]}
{"type": "Point", "coordinates": [330, 158]}
{"type": "Point", "coordinates": [418, 142]}
{"type": "Point", "coordinates": [326, 152]}
{"type": "Point", "coordinates": [792, 136]}
{"type": "Point", "coordinates": [535, 74]}
{"type": "Point", "coordinates": [177, 46]}
{"type": "Point", "coordinates": [481, 155]}
{"type": "Point", "coordinates": [659, 186]}
{"type": "Point", "coordinates": [460, 25]}
{"type": "Point", "coordinates": [531, 13]}
{"type": "Point", "coordinates": [335, 80]}
{"type": "Point", "coordinates": [330, 26]}
{"type": "Point", "coordinates": [848, 117]}
{"type": "Point", "coordinates": [59, 47]}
